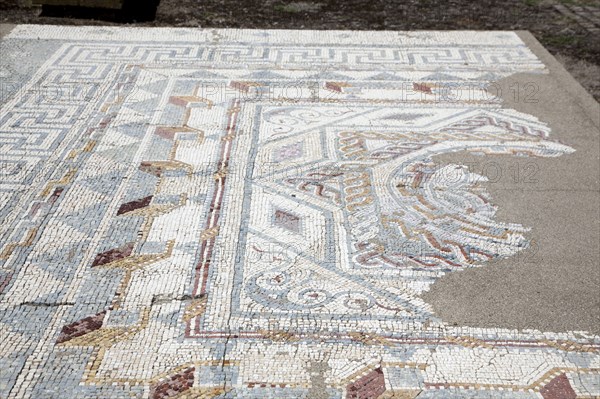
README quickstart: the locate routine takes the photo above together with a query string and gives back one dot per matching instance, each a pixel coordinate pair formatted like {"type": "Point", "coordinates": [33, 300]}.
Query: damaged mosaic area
{"type": "Point", "coordinates": [255, 214]}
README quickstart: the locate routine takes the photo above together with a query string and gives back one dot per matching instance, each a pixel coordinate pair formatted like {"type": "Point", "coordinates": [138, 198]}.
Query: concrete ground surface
{"type": "Point", "coordinates": [553, 285]}
{"type": "Point", "coordinates": [192, 213]}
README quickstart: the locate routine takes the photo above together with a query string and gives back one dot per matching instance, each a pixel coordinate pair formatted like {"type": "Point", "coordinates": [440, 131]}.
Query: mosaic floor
{"type": "Point", "coordinates": [255, 214]}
